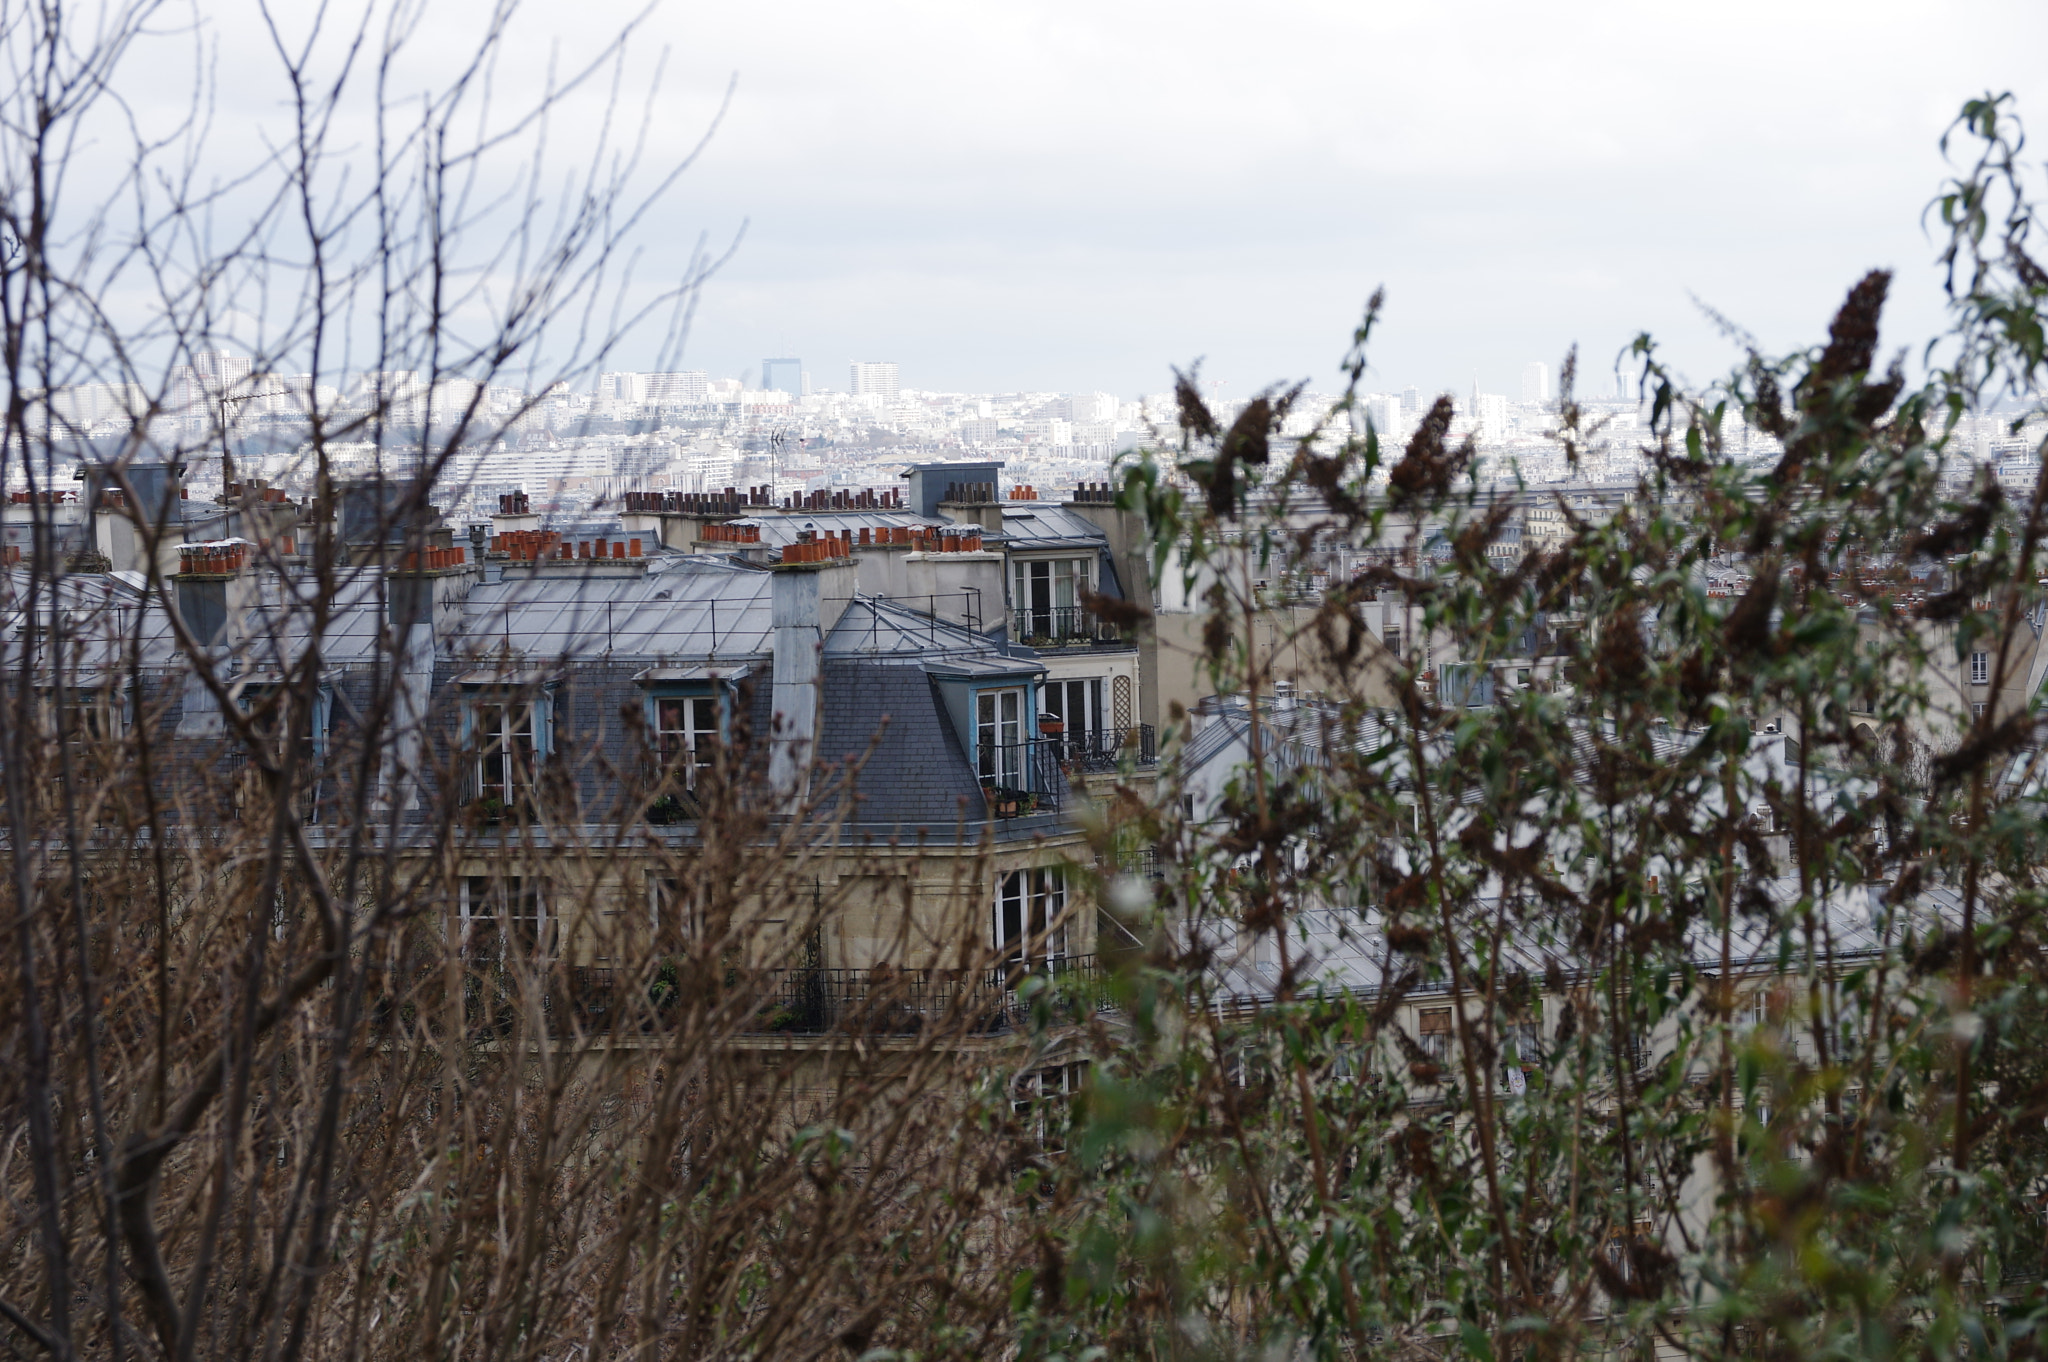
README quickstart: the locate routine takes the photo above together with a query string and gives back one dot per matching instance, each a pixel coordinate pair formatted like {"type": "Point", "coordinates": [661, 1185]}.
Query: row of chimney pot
{"type": "Point", "coordinates": [732, 501]}
{"type": "Point", "coordinates": [220, 559]}
{"type": "Point", "coordinates": [527, 546]}
{"type": "Point", "coordinates": [814, 550]}
{"type": "Point", "coordinates": [605, 548]}
{"type": "Point", "coordinates": [1095, 493]}
{"type": "Point", "coordinates": [867, 499]}
{"type": "Point", "coordinates": [1023, 492]}
{"type": "Point", "coordinates": [733, 534]}
{"type": "Point", "coordinates": [971, 493]}
{"type": "Point", "coordinates": [433, 560]}
{"type": "Point", "coordinates": [514, 503]}
{"type": "Point", "coordinates": [64, 498]}
{"type": "Point", "coordinates": [840, 543]}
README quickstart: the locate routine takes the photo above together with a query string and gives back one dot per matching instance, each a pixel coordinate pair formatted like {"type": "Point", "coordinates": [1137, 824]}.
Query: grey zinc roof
{"type": "Point", "coordinates": [872, 627]}
{"type": "Point", "coordinates": [696, 607]}
{"type": "Point", "coordinates": [1041, 525]}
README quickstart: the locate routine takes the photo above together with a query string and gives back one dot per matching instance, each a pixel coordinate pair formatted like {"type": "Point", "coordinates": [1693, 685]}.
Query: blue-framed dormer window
{"type": "Point", "coordinates": [507, 735]}
{"type": "Point", "coordinates": [999, 735]}
{"type": "Point", "coordinates": [270, 707]}
{"type": "Point", "coordinates": [689, 713]}
{"type": "Point", "coordinates": [687, 730]}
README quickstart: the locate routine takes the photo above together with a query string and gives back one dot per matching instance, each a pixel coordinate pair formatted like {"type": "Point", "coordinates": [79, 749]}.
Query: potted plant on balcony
{"type": "Point", "coordinates": [666, 809]}
{"type": "Point", "coordinates": [487, 811]}
{"type": "Point", "coordinates": [1003, 800]}
{"type": "Point", "coordinates": [1050, 726]}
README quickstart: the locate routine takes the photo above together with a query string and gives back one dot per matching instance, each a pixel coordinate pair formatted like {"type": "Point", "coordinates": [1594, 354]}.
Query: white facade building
{"type": "Point", "coordinates": [877, 376]}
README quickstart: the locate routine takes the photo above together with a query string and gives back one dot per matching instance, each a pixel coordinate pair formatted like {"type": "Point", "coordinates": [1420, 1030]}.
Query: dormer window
{"type": "Point", "coordinates": [685, 734]}
{"type": "Point", "coordinates": [507, 735]}
{"type": "Point", "coordinates": [689, 709]}
{"type": "Point", "coordinates": [1046, 598]}
{"type": "Point", "coordinates": [999, 736]}
{"type": "Point", "coordinates": [507, 741]}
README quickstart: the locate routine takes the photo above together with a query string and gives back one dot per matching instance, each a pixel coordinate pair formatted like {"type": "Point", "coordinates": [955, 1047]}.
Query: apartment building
{"type": "Point", "coordinates": [563, 694]}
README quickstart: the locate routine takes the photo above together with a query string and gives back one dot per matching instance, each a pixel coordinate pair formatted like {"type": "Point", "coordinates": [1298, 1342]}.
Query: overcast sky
{"type": "Point", "coordinates": [1076, 195]}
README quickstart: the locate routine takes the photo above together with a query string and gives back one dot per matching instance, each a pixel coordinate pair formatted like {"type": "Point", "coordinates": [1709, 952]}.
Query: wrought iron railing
{"type": "Point", "coordinates": [1020, 778]}
{"type": "Point", "coordinates": [599, 1001]}
{"type": "Point", "coordinates": [1061, 626]}
{"type": "Point", "coordinates": [1093, 750]}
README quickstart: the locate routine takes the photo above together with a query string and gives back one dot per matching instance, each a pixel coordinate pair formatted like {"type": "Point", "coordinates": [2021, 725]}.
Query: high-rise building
{"type": "Point", "coordinates": [783, 375]}
{"type": "Point", "coordinates": [1490, 414]}
{"type": "Point", "coordinates": [199, 388]}
{"type": "Point", "coordinates": [685, 386]}
{"type": "Point", "coordinates": [1536, 382]}
{"type": "Point", "coordinates": [875, 376]}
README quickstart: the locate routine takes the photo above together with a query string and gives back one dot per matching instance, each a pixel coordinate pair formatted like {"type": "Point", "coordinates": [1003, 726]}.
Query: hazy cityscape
{"type": "Point", "coordinates": [575, 452]}
{"type": "Point", "coordinates": [1393, 709]}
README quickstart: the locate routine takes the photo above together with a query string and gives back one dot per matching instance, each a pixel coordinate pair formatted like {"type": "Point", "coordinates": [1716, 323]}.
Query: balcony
{"type": "Point", "coordinates": [597, 1001]}
{"type": "Point", "coordinates": [1094, 751]}
{"type": "Point", "coordinates": [1020, 778]}
{"type": "Point", "coordinates": [1062, 626]}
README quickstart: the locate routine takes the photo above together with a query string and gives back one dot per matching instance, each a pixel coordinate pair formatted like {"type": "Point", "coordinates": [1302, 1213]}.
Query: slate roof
{"type": "Point", "coordinates": [917, 776]}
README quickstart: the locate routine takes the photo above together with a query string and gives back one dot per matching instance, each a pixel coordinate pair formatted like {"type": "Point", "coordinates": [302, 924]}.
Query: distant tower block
{"type": "Point", "coordinates": [783, 375]}
{"type": "Point", "coordinates": [875, 376]}
{"type": "Point", "coordinates": [1536, 382]}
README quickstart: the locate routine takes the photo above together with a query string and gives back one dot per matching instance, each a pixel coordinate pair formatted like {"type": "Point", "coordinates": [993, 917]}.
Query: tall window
{"type": "Point", "coordinates": [1521, 1046]}
{"type": "Point", "coordinates": [505, 918]}
{"type": "Point", "coordinates": [506, 738]}
{"type": "Point", "coordinates": [1047, 597]}
{"type": "Point", "coordinates": [1030, 922]}
{"type": "Point", "coordinates": [1434, 1034]}
{"type": "Point", "coordinates": [999, 736]}
{"type": "Point", "coordinates": [1076, 704]}
{"type": "Point", "coordinates": [1980, 669]}
{"type": "Point", "coordinates": [686, 729]}
{"type": "Point", "coordinates": [670, 907]}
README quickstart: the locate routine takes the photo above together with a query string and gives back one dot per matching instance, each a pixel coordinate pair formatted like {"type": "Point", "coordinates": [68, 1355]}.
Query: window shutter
{"type": "Point", "coordinates": [543, 725]}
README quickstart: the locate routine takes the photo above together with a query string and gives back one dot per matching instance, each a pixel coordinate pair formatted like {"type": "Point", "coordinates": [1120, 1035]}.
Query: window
{"type": "Point", "coordinates": [508, 737]}
{"type": "Point", "coordinates": [1522, 676]}
{"type": "Point", "coordinates": [999, 737]}
{"type": "Point", "coordinates": [505, 919]}
{"type": "Point", "coordinates": [1980, 669]}
{"type": "Point", "coordinates": [1040, 1099]}
{"type": "Point", "coordinates": [1078, 707]}
{"type": "Point", "coordinates": [1394, 644]}
{"type": "Point", "coordinates": [1434, 1034]}
{"type": "Point", "coordinates": [1976, 709]}
{"type": "Point", "coordinates": [669, 905]}
{"type": "Point", "coordinates": [1047, 598]}
{"type": "Point", "coordinates": [686, 733]}
{"type": "Point", "coordinates": [1030, 915]}
{"type": "Point", "coordinates": [1521, 1047]}
{"type": "Point", "coordinates": [270, 709]}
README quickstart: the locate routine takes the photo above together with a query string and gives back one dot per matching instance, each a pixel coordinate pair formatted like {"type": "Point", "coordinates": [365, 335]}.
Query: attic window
{"type": "Point", "coordinates": [686, 731]}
